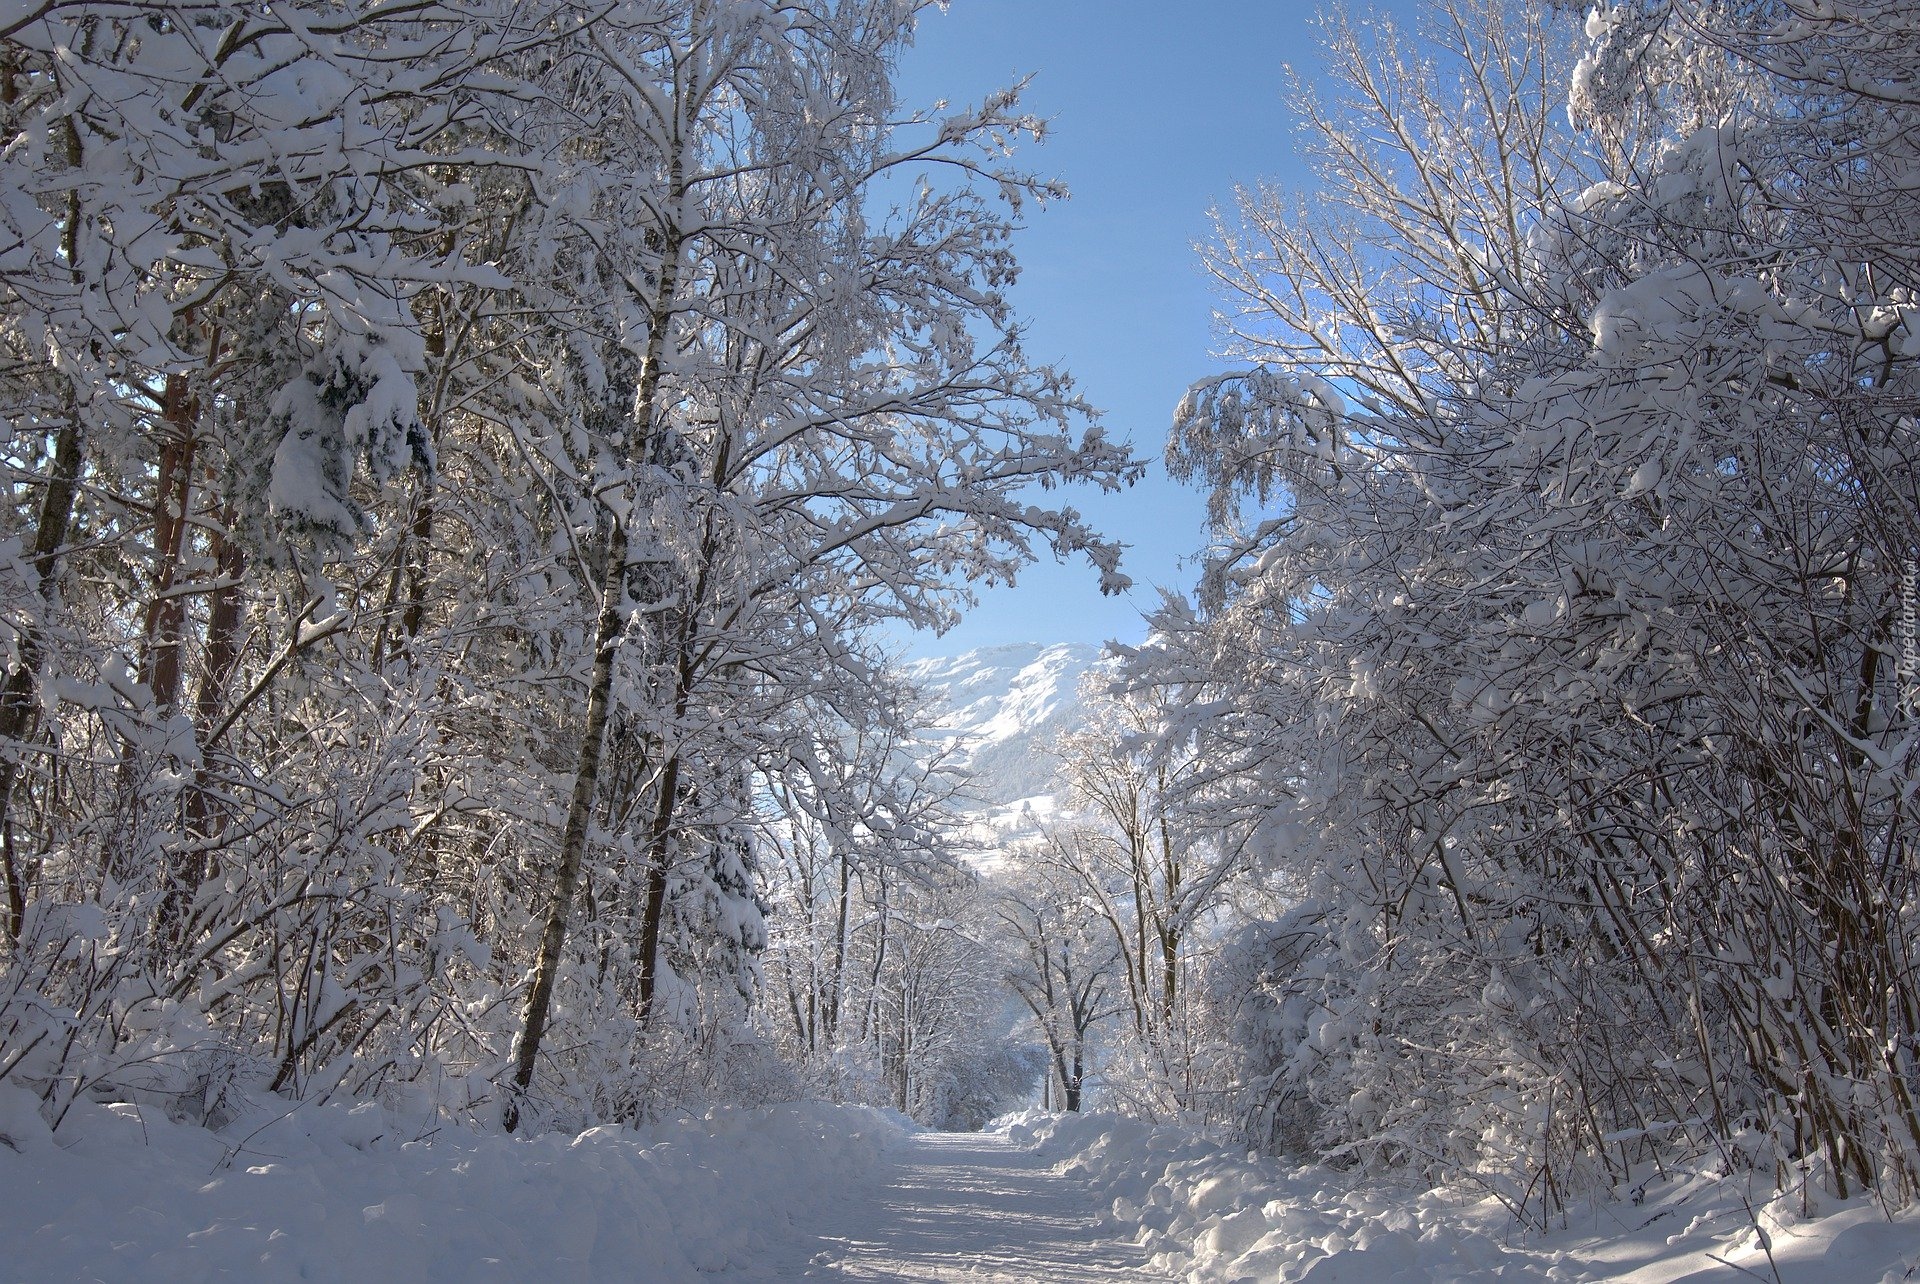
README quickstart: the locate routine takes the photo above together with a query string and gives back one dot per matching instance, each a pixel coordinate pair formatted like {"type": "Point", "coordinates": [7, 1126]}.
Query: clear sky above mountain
{"type": "Point", "coordinates": [1156, 111]}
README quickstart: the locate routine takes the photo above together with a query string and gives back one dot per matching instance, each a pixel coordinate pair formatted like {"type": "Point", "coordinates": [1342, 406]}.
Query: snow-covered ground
{"type": "Point", "coordinates": [975, 1207]}
{"type": "Point", "coordinates": [815, 1191]}
{"type": "Point", "coordinates": [1209, 1214]}
{"type": "Point", "coordinates": [339, 1193]}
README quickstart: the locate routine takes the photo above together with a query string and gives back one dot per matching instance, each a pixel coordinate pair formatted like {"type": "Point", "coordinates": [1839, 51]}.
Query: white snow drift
{"type": "Point", "coordinates": [1214, 1215]}
{"type": "Point", "coordinates": [355, 1192]}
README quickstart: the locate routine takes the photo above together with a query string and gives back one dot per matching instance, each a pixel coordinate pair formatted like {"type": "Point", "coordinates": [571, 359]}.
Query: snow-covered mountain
{"type": "Point", "coordinates": [1002, 705]}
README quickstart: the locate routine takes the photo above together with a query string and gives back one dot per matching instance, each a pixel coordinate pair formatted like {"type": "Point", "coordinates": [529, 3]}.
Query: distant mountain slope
{"type": "Point", "coordinates": [1003, 705]}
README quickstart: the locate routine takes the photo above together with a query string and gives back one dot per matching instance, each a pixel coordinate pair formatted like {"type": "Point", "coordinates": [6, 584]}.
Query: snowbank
{"type": "Point", "coordinates": [340, 1192]}
{"type": "Point", "coordinates": [1218, 1215]}
{"type": "Point", "coordinates": [1210, 1214]}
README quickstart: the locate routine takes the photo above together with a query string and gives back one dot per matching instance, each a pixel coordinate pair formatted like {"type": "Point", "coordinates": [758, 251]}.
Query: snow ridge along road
{"type": "Point", "coordinates": [973, 1207]}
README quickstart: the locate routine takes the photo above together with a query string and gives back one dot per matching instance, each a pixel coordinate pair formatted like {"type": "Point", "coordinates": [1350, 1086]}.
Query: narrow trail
{"type": "Point", "coordinates": [972, 1207]}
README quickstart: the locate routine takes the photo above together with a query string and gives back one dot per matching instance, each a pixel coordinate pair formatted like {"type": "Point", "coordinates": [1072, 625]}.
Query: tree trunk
{"type": "Point", "coordinates": [166, 614]}
{"type": "Point", "coordinates": [1169, 975]}
{"type": "Point", "coordinates": [1169, 931]}
{"type": "Point", "coordinates": [224, 615]}
{"type": "Point", "coordinates": [838, 993]}
{"type": "Point", "coordinates": [18, 706]}
{"type": "Point", "coordinates": [870, 1012]}
{"type": "Point", "coordinates": [573, 842]}
{"type": "Point", "coordinates": [659, 841]}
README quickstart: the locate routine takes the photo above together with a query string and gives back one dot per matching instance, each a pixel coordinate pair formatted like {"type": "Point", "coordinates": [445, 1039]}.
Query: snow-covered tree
{"type": "Point", "coordinates": [1560, 514]}
{"type": "Point", "coordinates": [454, 456]}
{"type": "Point", "coordinates": [1129, 851]}
{"type": "Point", "coordinates": [1061, 963]}
{"type": "Point", "coordinates": [833, 420]}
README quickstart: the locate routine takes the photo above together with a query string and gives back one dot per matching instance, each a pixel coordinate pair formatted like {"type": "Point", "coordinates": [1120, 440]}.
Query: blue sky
{"type": "Point", "coordinates": [1155, 115]}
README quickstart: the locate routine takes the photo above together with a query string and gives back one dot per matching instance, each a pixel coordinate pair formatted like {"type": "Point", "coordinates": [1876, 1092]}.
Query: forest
{"type": "Point", "coordinates": [469, 465]}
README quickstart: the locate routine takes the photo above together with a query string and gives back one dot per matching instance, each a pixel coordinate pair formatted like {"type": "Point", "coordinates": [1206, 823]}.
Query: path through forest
{"type": "Point", "coordinates": [967, 1206]}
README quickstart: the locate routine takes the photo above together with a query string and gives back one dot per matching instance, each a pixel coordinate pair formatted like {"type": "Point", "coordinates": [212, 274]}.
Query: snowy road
{"type": "Point", "coordinates": [966, 1206]}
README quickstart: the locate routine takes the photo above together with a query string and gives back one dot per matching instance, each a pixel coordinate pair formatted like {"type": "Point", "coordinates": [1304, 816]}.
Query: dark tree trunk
{"type": "Point", "coordinates": [573, 842]}
{"type": "Point", "coordinates": [18, 706]}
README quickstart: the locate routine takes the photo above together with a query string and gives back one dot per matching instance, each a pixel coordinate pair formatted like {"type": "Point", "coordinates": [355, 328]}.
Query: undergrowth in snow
{"type": "Point", "coordinates": [358, 1192]}
{"type": "Point", "coordinates": [1215, 1215]}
